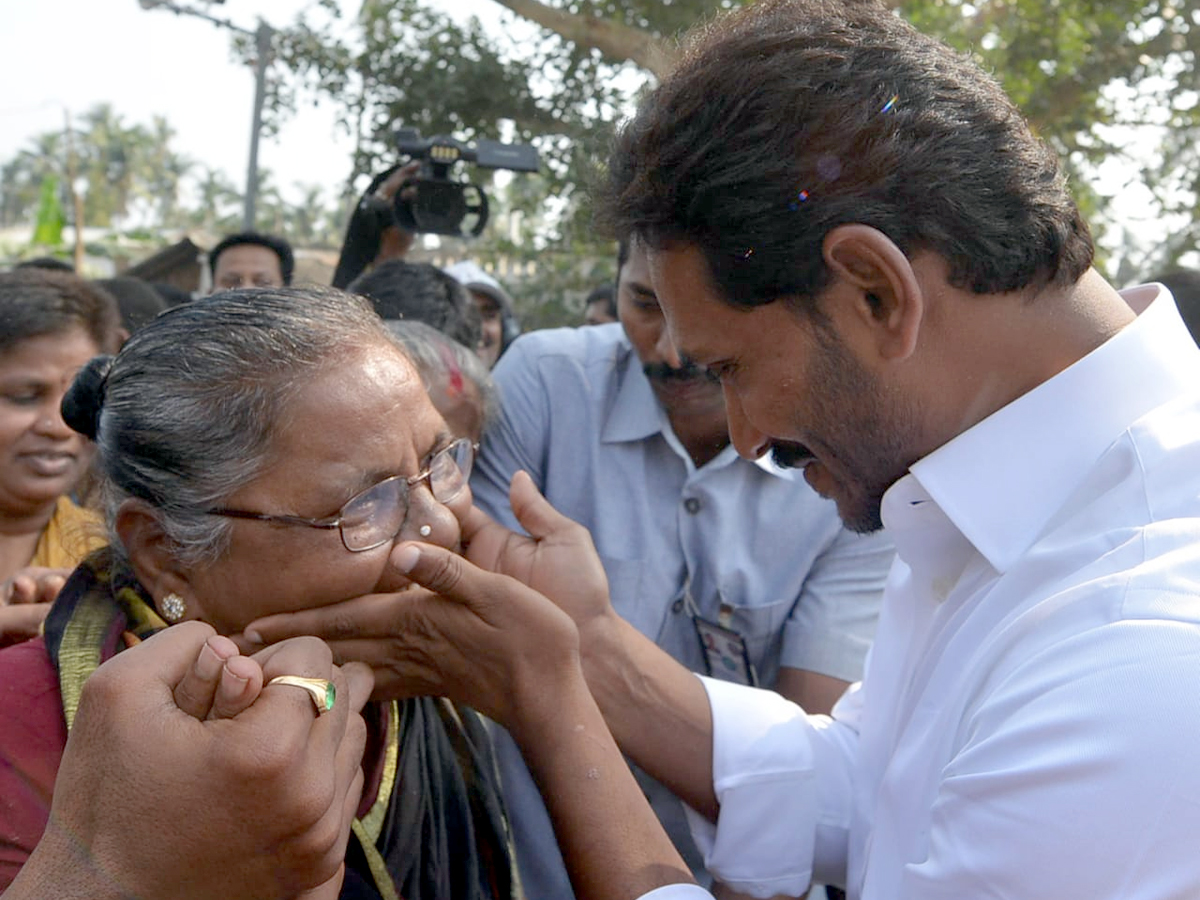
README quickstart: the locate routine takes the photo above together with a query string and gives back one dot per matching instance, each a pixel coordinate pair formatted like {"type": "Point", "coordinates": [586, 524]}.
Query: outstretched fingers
{"type": "Point", "coordinates": [371, 615]}
{"type": "Point", "coordinates": [33, 584]}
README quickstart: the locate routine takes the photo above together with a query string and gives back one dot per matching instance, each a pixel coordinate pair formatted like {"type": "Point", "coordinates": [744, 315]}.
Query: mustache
{"type": "Point", "coordinates": [691, 372]}
{"type": "Point", "coordinates": [788, 455]}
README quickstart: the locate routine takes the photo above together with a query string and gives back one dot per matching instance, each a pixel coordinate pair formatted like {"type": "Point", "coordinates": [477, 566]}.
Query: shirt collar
{"type": "Point", "coordinates": [1000, 481]}
{"type": "Point", "coordinates": [633, 414]}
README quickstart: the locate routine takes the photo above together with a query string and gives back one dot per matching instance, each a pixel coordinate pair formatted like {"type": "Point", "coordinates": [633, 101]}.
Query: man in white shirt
{"type": "Point", "coordinates": [855, 229]}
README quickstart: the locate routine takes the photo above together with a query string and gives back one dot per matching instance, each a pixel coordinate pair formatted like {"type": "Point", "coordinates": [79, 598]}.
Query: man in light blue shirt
{"type": "Point", "coordinates": [623, 438]}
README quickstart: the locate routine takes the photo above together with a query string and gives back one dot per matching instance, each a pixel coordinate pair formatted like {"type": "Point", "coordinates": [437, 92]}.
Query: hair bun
{"type": "Point", "coordinates": [84, 399]}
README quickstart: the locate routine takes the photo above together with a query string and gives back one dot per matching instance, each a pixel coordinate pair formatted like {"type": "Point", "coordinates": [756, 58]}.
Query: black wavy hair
{"type": "Point", "coordinates": [788, 118]}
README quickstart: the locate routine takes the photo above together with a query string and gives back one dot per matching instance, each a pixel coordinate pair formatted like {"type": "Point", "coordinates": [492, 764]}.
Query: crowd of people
{"type": "Point", "coordinates": [852, 547]}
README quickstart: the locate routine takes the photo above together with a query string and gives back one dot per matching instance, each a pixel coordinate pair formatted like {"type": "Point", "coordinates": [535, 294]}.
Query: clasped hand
{"type": "Point", "coordinates": [184, 777]}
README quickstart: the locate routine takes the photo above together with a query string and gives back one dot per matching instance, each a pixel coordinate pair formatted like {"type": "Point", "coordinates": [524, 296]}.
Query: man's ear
{"type": "Point", "coordinates": [877, 282]}
{"type": "Point", "coordinates": [151, 554]}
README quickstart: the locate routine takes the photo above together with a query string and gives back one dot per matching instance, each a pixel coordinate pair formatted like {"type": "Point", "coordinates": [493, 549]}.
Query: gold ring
{"type": "Point", "coordinates": [322, 691]}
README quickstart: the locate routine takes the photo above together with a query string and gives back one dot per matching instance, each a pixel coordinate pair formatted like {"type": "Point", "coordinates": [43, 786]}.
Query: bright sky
{"type": "Point", "coordinates": [73, 54]}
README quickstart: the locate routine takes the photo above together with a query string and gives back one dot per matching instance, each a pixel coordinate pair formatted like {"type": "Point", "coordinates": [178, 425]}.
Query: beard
{"type": "Point", "coordinates": [867, 433]}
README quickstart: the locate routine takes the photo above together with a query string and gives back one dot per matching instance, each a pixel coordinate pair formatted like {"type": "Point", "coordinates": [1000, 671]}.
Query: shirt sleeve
{"type": "Point", "coordinates": [833, 622]}
{"type": "Point", "coordinates": [779, 824]}
{"type": "Point", "coordinates": [518, 438]}
{"type": "Point", "coordinates": [678, 892]}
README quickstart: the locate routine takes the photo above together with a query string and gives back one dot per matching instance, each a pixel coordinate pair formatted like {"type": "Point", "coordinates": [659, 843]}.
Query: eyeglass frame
{"type": "Point", "coordinates": [327, 523]}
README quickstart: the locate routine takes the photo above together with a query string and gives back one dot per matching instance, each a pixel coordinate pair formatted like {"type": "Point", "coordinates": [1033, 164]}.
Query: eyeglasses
{"type": "Point", "coordinates": [374, 517]}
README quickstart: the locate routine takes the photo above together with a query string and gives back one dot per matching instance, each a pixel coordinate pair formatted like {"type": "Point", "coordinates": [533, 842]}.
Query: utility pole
{"type": "Point", "coordinates": [262, 43]}
{"type": "Point", "coordinates": [263, 37]}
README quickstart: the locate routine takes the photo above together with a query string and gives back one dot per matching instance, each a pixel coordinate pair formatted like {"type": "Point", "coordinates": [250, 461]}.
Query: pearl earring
{"type": "Point", "coordinates": [173, 607]}
{"type": "Point", "coordinates": [425, 530]}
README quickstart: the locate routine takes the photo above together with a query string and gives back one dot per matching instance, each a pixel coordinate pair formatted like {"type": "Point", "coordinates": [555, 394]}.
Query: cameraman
{"type": "Point", "coordinates": [371, 238]}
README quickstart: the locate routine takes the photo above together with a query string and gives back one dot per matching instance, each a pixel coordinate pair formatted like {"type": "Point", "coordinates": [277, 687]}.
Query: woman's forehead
{"type": "Point", "coordinates": [362, 394]}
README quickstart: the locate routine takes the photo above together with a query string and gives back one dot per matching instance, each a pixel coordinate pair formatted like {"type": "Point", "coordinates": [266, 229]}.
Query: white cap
{"type": "Point", "coordinates": [472, 276]}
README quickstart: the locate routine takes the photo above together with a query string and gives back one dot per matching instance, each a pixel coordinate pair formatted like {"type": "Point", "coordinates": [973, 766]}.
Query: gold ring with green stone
{"type": "Point", "coordinates": [322, 691]}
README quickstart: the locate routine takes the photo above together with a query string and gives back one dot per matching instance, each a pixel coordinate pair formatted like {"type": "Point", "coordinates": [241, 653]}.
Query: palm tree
{"type": "Point", "coordinates": [218, 202]}
{"type": "Point", "coordinates": [21, 177]}
{"type": "Point", "coordinates": [161, 171]}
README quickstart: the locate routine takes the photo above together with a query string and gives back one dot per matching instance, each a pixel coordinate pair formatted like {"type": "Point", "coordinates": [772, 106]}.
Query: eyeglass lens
{"type": "Point", "coordinates": [376, 515]}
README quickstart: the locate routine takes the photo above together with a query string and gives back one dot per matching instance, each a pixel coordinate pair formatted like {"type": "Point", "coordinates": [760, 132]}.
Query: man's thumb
{"type": "Point", "coordinates": [432, 567]}
{"type": "Point", "coordinates": [534, 511]}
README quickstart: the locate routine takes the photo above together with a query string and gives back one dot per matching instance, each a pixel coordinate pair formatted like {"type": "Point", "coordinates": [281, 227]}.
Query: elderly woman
{"type": "Point", "coordinates": [261, 451]}
{"type": "Point", "coordinates": [51, 323]}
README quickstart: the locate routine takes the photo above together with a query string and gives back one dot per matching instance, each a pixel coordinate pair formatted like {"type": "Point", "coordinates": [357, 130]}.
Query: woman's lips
{"type": "Point", "coordinates": [49, 463]}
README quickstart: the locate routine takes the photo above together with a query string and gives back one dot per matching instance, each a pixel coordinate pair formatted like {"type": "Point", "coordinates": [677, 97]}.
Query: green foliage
{"type": "Point", "coordinates": [122, 166]}
{"type": "Point", "coordinates": [1107, 83]}
{"type": "Point", "coordinates": [1102, 81]}
{"type": "Point", "coordinates": [47, 231]}
{"type": "Point", "coordinates": [22, 178]}
{"type": "Point", "coordinates": [404, 62]}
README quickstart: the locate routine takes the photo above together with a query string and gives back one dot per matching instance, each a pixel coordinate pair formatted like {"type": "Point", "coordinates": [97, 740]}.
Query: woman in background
{"type": "Point", "coordinates": [51, 324]}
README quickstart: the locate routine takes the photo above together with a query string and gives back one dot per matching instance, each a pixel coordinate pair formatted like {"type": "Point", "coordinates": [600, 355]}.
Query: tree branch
{"type": "Point", "coordinates": [613, 39]}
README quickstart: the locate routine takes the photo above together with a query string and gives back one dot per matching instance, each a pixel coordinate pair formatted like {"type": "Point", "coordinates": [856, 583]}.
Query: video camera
{"type": "Point", "coordinates": [435, 203]}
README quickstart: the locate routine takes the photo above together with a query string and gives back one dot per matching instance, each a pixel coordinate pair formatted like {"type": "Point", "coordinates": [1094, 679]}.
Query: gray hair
{"type": "Point", "coordinates": [185, 414]}
{"type": "Point", "coordinates": [435, 353]}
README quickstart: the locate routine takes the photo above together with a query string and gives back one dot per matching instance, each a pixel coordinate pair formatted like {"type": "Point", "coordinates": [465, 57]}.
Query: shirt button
{"type": "Point", "coordinates": [677, 606]}
{"type": "Point", "coordinates": [692, 505]}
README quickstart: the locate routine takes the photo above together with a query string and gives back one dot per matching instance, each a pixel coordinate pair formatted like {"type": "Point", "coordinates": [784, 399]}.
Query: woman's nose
{"type": "Point", "coordinates": [50, 421]}
{"type": "Point", "coordinates": [428, 520]}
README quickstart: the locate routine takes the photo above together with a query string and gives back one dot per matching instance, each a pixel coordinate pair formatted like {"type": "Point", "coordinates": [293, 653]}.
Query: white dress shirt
{"type": "Point", "coordinates": [1029, 720]}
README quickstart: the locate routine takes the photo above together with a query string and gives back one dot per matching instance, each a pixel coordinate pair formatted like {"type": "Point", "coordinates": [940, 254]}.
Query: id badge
{"type": "Point", "coordinates": [724, 650]}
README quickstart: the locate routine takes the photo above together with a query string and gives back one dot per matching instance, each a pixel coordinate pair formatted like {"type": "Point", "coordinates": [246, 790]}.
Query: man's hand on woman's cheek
{"type": "Point", "coordinates": [555, 559]}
